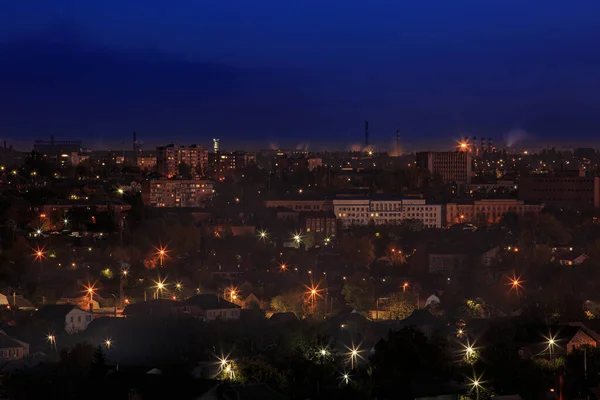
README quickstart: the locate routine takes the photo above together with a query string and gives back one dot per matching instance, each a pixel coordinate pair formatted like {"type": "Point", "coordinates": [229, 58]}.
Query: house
{"type": "Point", "coordinates": [571, 258]}
{"type": "Point", "coordinates": [552, 341]}
{"type": "Point", "coordinates": [19, 302]}
{"type": "Point", "coordinates": [67, 317]}
{"type": "Point", "coordinates": [251, 301]}
{"type": "Point", "coordinates": [432, 300]}
{"type": "Point", "coordinates": [157, 307]}
{"type": "Point", "coordinates": [283, 317]}
{"type": "Point", "coordinates": [12, 349]}
{"type": "Point", "coordinates": [211, 307]}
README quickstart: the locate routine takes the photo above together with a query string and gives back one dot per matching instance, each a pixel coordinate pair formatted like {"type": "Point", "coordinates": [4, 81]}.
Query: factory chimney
{"type": "Point", "coordinates": [366, 133]}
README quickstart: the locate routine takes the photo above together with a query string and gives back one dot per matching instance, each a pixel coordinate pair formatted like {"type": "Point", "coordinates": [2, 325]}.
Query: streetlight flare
{"type": "Point", "coordinates": [515, 283]}
{"type": "Point", "coordinates": [353, 354]}
{"type": "Point", "coordinates": [39, 253]}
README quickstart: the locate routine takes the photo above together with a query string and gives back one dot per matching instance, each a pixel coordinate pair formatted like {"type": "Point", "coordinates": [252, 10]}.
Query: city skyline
{"type": "Point", "coordinates": [284, 74]}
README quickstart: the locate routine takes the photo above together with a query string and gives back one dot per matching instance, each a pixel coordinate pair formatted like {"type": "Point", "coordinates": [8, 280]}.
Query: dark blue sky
{"type": "Point", "coordinates": [299, 71]}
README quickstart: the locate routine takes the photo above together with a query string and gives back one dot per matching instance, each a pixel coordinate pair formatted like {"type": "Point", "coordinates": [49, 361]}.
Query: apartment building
{"type": "Point", "coordinates": [168, 159]}
{"type": "Point", "coordinates": [487, 211]}
{"type": "Point", "coordinates": [451, 166]}
{"type": "Point", "coordinates": [566, 191]}
{"type": "Point", "coordinates": [177, 193]}
{"type": "Point", "coordinates": [386, 211]}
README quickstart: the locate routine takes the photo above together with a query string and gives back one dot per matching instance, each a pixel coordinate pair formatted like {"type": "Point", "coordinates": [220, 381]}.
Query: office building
{"type": "Point", "coordinates": [170, 157]}
{"type": "Point", "coordinates": [451, 166]}
{"type": "Point", "coordinates": [351, 211]}
{"type": "Point", "coordinates": [177, 193]}
{"type": "Point", "coordinates": [566, 191]}
{"type": "Point", "coordinates": [488, 211]}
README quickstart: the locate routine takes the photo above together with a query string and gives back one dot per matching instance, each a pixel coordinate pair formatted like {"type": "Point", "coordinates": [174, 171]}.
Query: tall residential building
{"type": "Point", "coordinates": [176, 193]}
{"type": "Point", "coordinates": [215, 145]}
{"type": "Point", "coordinates": [224, 163]}
{"type": "Point", "coordinates": [168, 159]}
{"type": "Point", "coordinates": [351, 211]}
{"type": "Point", "coordinates": [451, 166]}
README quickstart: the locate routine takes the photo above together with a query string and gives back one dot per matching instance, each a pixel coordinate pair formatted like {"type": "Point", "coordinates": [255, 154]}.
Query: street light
{"type": "Point", "coordinates": [162, 252]}
{"type": "Point", "coordinates": [108, 343]}
{"type": "Point", "coordinates": [404, 286]}
{"type": "Point", "coordinates": [353, 354]}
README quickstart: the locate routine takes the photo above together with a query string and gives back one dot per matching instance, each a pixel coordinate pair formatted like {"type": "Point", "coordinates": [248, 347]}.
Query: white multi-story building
{"type": "Point", "coordinates": [386, 211]}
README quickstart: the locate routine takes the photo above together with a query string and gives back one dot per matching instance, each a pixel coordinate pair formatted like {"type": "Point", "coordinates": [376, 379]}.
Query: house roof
{"type": "Point", "coordinates": [7, 342]}
{"type": "Point", "coordinates": [283, 317]}
{"type": "Point", "coordinates": [571, 256]}
{"type": "Point", "coordinates": [209, 302]}
{"type": "Point", "coordinates": [537, 334]}
{"type": "Point", "coordinates": [52, 312]}
{"type": "Point", "coordinates": [420, 317]}
{"type": "Point", "coordinates": [158, 306]}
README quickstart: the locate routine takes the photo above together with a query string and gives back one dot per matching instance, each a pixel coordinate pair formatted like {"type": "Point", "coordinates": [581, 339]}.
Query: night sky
{"type": "Point", "coordinates": [299, 72]}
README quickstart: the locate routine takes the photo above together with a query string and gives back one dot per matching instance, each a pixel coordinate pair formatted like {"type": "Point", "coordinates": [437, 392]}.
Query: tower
{"type": "Point", "coordinates": [398, 143]}
{"type": "Point", "coordinates": [215, 145]}
{"type": "Point", "coordinates": [366, 133]}
{"type": "Point", "coordinates": [482, 144]}
{"type": "Point", "coordinates": [490, 147]}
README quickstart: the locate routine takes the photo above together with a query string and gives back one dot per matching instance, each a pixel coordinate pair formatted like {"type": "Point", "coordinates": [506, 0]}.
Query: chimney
{"type": "Point", "coordinates": [482, 143]}
{"type": "Point", "coordinates": [5, 144]}
{"type": "Point", "coordinates": [366, 133]}
{"type": "Point", "coordinates": [52, 139]}
{"type": "Point", "coordinates": [490, 147]}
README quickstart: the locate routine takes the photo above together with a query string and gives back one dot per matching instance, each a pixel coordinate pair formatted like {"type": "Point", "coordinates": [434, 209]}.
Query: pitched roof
{"type": "Point", "coordinates": [209, 302]}
{"type": "Point", "coordinates": [158, 306]}
{"type": "Point", "coordinates": [54, 311]}
{"type": "Point", "coordinates": [536, 334]}
{"type": "Point", "coordinates": [7, 342]}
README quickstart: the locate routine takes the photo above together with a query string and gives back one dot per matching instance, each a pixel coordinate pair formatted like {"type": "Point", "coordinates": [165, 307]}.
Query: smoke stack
{"type": "Point", "coordinates": [5, 144]}
{"type": "Point", "coordinates": [366, 133]}
{"type": "Point", "coordinates": [482, 144]}
{"type": "Point", "coordinates": [52, 139]}
{"type": "Point", "coordinates": [398, 143]}
{"type": "Point", "coordinates": [490, 147]}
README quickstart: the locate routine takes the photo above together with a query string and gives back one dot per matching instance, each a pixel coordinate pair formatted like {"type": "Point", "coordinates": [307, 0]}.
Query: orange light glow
{"type": "Point", "coordinates": [39, 254]}
{"type": "Point", "coordinates": [515, 283]}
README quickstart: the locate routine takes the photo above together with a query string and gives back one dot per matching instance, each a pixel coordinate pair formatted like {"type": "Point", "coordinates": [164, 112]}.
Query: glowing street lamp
{"type": "Point", "coordinates": [161, 253]}
{"type": "Point", "coordinates": [404, 286]}
{"type": "Point", "coordinates": [262, 235]}
{"type": "Point", "coordinates": [283, 267]}
{"type": "Point", "coordinates": [160, 286]}
{"type": "Point", "coordinates": [551, 342]}
{"type": "Point", "coordinates": [120, 191]}
{"type": "Point", "coordinates": [475, 385]}
{"type": "Point", "coordinates": [346, 378]}
{"type": "Point", "coordinates": [353, 354]}
{"type": "Point", "coordinates": [515, 283]}
{"type": "Point", "coordinates": [313, 292]}
{"type": "Point", "coordinates": [108, 343]}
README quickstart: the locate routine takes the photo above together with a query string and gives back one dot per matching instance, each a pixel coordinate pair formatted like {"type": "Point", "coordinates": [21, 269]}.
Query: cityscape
{"type": "Point", "coordinates": [375, 201]}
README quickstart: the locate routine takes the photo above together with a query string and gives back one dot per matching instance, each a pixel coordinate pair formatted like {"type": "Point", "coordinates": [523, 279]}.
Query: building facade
{"type": "Point", "coordinates": [301, 204]}
{"type": "Point", "coordinates": [386, 211]}
{"type": "Point", "coordinates": [319, 224]}
{"type": "Point", "coordinates": [487, 211]}
{"type": "Point", "coordinates": [168, 159]}
{"type": "Point", "coordinates": [177, 193]}
{"type": "Point", "coordinates": [451, 166]}
{"type": "Point", "coordinates": [568, 191]}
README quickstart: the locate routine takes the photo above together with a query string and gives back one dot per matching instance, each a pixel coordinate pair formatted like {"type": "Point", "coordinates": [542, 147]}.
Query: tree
{"type": "Point", "coordinates": [288, 302]}
{"type": "Point", "coordinates": [357, 252]}
{"type": "Point", "coordinates": [401, 305]}
{"type": "Point", "coordinates": [407, 358]}
{"type": "Point", "coordinates": [184, 170]}
{"type": "Point", "coordinates": [357, 296]}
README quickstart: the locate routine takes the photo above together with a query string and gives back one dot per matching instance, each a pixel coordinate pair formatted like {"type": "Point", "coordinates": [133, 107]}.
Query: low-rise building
{"type": "Point", "coordinates": [487, 211]}
{"type": "Point", "coordinates": [64, 317]}
{"type": "Point", "coordinates": [211, 307]}
{"type": "Point", "coordinates": [11, 348]}
{"type": "Point", "coordinates": [301, 204]}
{"type": "Point", "coordinates": [177, 193]}
{"type": "Point", "coordinates": [351, 211]}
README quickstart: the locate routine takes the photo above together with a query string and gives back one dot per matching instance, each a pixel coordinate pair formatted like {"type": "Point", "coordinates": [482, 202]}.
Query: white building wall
{"type": "Point", "coordinates": [386, 212]}
{"type": "Point", "coordinates": [77, 320]}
